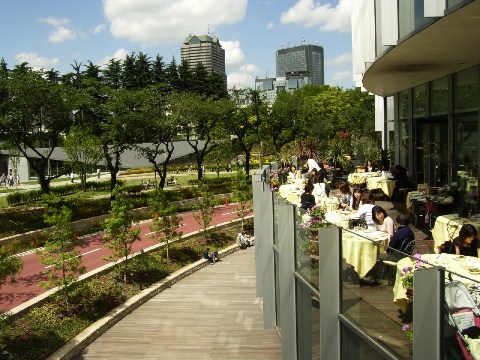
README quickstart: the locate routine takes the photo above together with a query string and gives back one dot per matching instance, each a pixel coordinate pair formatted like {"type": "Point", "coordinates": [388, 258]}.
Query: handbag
{"type": "Point", "coordinates": [352, 223]}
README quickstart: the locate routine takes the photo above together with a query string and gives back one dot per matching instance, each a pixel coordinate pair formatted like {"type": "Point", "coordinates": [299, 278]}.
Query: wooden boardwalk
{"type": "Point", "coordinates": [211, 314]}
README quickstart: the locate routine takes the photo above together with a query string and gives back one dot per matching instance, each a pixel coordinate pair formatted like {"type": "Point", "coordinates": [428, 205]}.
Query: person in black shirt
{"type": "Point", "coordinates": [466, 243]}
{"type": "Point", "coordinates": [307, 200]}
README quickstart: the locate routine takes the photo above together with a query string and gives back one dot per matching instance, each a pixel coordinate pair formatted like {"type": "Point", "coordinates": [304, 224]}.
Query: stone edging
{"type": "Point", "coordinates": [94, 331]}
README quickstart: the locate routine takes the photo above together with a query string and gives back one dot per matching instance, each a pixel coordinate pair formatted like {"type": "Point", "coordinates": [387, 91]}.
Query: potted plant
{"type": "Point", "coordinates": [313, 220]}
{"type": "Point", "coordinates": [408, 331]}
{"type": "Point", "coordinates": [407, 274]}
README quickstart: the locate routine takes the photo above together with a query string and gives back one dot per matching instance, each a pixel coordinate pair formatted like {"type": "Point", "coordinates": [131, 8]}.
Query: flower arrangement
{"type": "Point", "coordinates": [314, 218]}
{"type": "Point", "coordinates": [274, 180]}
{"type": "Point", "coordinates": [407, 271]}
{"type": "Point", "coordinates": [408, 331]}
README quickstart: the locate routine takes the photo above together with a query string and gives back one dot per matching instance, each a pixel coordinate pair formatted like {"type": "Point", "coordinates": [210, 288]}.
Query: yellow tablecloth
{"type": "Point", "coordinates": [447, 227]}
{"type": "Point", "coordinates": [450, 262]}
{"type": "Point", "coordinates": [414, 194]}
{"type": "Point", "coordinates": [387, 186]}
{"type": "Point", "coordinates": [338, 217]}
{"type": "Point", "coordinates": [362, 252]}
{"type": "Point", "coordinates": [361, 178]}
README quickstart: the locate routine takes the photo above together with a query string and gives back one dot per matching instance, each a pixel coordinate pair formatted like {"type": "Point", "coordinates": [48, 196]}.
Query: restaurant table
{"type": "Point", "coordinates": [361, 247]}
{"type": "Point", "coordinates": [374, 181]}
{"type": "Point", "coordinates": [292, 193]}
{"type": "Point", "coordinates": [452, 263]}
{"type": "Point", "coordinates": [378, 182]}
{"type": "Point", "coordinates": [447, 227]}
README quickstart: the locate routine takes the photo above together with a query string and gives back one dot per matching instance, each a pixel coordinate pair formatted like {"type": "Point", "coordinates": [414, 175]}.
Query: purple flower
{"type": "Point", "coordinates": [418, 265]}
{"type": "Point", "coordinates": [417, 256]}
{"type": "Point", "coordinates": [405, 327]}
{"type": "Point", "coordinates": [407, 269]}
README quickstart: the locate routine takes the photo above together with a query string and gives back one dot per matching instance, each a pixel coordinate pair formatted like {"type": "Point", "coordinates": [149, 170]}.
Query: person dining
{"type": "Point", "coordinates": [345, 196]}
{"type": "Point", "coordinates": [365, 209]}
{"type": "Point", "coordinates": [369, 167]}
{"type": "Point", "coordinates": [355, 200]}
{"type": "Point", "coordinates": [319, 186]}
{"type": "Point", "coordinates": [307, 199]}
{"type": "Point", "coordinates": [466, 243]}
{"type": "Point", "coordinates": [400, 240]}
{"type": "Point", "coordinates": [382, 221]}
{"type": "Point", "coordinates": [294, 173]}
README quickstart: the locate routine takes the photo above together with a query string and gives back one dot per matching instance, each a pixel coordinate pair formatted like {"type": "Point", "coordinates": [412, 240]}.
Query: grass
{"type": "Point", "coordinates": [45, 329]}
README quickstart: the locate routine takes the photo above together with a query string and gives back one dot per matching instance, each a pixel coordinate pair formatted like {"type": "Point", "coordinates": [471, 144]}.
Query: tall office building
{"type": "Point", "coordinates": [206, 50]}
{"type": "Point", "coordinates": [303, 58]}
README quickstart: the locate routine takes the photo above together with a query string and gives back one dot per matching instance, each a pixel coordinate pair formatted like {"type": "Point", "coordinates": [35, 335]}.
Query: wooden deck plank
{"type": "Point", "coordinates": [211, 314]}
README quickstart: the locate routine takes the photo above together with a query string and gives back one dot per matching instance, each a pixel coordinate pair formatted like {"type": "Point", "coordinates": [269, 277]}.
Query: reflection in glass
{"type": "Point", "coordinates": [308, 326]}
{"type": "Point", "coordinates": [419, 101]}
{"type": "Point", "coordinates": [439, 97]}
{"type": "Point", "coordinates": [306, 249]}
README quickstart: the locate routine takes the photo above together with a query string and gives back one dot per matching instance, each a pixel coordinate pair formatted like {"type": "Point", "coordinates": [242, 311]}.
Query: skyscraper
{"type": "Point", "coordinates": [303, 58]}
{"type": "Point", "coordinates": [206, 50]}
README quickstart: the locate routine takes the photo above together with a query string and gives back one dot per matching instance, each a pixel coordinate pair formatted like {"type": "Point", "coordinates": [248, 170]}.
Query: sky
{"type": "Point", "coordinates": [57, 33]}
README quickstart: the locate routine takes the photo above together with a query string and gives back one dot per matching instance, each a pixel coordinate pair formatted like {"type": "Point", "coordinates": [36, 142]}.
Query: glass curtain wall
{"type": "Point", "coordinates": [403, 131]}
{"type": "Point", "coordinates": [411, 16]}
{"type": "Point", "coordinates": [466, 122]}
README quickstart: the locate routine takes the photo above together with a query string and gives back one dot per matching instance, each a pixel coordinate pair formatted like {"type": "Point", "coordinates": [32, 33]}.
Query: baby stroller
{"type": "Point", "coordinates": [464, 315]}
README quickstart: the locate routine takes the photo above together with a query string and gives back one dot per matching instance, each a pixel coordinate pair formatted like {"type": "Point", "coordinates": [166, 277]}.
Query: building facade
{"type": "Point", "coordinates": [292, 81]}
{"type": "Point", "coordinates": [421, 59]}
{"type": "Point", "coordinates": [305, 59]}
{"type": "Point", "coordinates": [206, 50]}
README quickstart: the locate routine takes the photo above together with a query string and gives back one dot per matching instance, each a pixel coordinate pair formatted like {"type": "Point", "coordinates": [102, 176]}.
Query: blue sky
{"type": "Point", "coordinates": [55, 33]}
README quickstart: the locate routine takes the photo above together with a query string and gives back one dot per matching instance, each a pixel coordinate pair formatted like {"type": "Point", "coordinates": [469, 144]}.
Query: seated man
{"type": "Point", "coordinates": [211, 256]}
{"type": "Point", "coordinates": [173, 180]}
{"type": "Point", "coordinates": [243, 241]}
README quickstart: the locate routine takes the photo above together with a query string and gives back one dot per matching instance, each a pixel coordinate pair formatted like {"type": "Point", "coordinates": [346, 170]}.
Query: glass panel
{"type": "Point", "coordinates": [452, 3]}
{"type": "Point", "coordinates": [419, 101]}
{"type": "Point", "coordinates": [410, 16]}
{"type": "Point", "coordinates": [379, 47]}
{"type": "Point", "coordinates": [462, 276]}
{"type": "Point", "coordinates": [368, 288]}
{"type": "Point", "coordinates": [439, 96]}
{"type": "Point", "coordinates": [403, 105]}
{"type": "Point", "coordinates": [306, 249]}
{"type": "Point", "coordinates": [308, 326]}
{"type": "Point", "coordinates": [466, 91]}
{"type": "Point", "coordinates": [404, 137]}
{"type": "Point", "coordinates": [467, 157]}
{"type": "Point", "coordinates": [277, 290]}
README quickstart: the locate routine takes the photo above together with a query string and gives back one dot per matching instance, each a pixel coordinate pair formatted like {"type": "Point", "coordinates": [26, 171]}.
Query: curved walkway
{"type": "Point", "coordinates": [211, 314]}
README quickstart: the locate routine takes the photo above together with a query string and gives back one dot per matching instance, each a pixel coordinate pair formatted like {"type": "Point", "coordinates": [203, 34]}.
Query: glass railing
{"type": "Point", "coordinates": [306, 249]}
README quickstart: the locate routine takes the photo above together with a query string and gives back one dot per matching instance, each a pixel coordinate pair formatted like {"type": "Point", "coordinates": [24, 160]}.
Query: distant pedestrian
{"type": "Point", "coordinates": [72, 176]}
{"type": "Point", "coordinates": [98, 173]}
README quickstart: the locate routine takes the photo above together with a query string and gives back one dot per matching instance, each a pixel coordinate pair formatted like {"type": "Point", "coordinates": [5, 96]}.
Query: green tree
{"type": "Point", "coordinates": [62, 259]}
{"type": "Point", "coordinates": [9, 265]}
{"type": "Point", "coordinates": [242, 194]}
{"type": "Point", "coordinates": [84, 151]}
{"type": "Point", "coordinates": [120, 233]}
{"type": "Point", "coordinates": [34, 114]}
{"type": "Point", "coordinates": [166, 221]}
{"type": "Point", "coordinates": [204, 208]}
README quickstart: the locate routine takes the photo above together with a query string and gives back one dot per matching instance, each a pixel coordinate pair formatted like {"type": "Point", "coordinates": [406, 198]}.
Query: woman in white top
{"type": "Point", "coordinates": [382, 221]}
{"type": "Point", "coordinates": [294, 173]}
{"type": "Point", "coordinates": [365, 209]}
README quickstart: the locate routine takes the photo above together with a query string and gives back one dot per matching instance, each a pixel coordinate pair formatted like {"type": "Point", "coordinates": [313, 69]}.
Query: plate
{"type": "Point", "coordinates": [474, 271]}
{"type": "Point", "coordinates": [459, 257]}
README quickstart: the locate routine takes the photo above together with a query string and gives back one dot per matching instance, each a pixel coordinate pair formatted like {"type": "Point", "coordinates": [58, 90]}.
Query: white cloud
{"type": "Point", "coordinates": [243, 77]}
{"type": "Point", "coordinates": [120, 54]}
{"type": "Point", "coordinates": [61, 34]}
{"type": "Point", "coordinates": [99, 28]}
{"type": "Point", "coordinates": [341, 75]}
{"type": "Point", "coordinates": [340, 60]}
{"type": "Point", "coordinates": [36, 61]}
{"type": "Point", "coordinates": [55, 21]}
{"type": "Point", "coordinates": [233, 53]}
{"type": "Point", "coordinates": [270, 25]}
{"type": "Point", "coordinates": [309, 14]}
{"type": "Point", "coordinates": [153, 22]}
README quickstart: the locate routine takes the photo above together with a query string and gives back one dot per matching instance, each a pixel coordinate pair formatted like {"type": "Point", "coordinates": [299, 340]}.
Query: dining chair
{"type": "Point", "coordinates": [419, 209]}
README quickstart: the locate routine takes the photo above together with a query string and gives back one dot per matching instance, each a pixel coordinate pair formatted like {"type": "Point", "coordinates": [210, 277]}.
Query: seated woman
{"type": "Point", "coordinates": [319, 186]}
{"type": "Point", "coordinates": [399, 241]}
{"type": "Point", "coordinates": [307, 199]}
{"type": "Point", "coordinates": [345, 196]}
{"type": "Point", "coordinates": [369, 167]}
{"type": "Point", "coordinates": [356, 200]}
{"type": "Point", "coordinates": [365, 209]}
{"type": "Point", "coordinates": [466, 243]}
{"type": "Point", "coordinates": [294, 173]}
{"type": "Point", "coordinates": [382, 221]}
